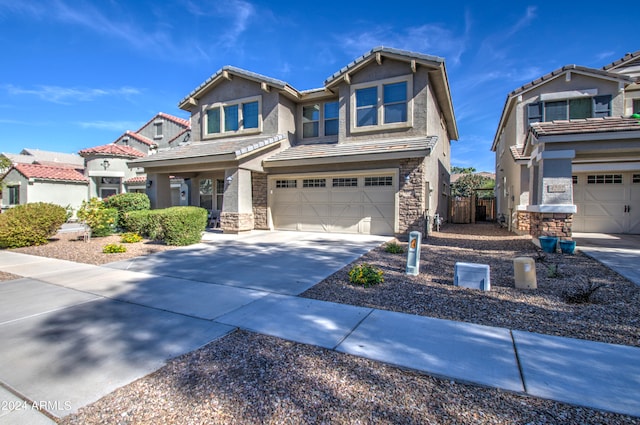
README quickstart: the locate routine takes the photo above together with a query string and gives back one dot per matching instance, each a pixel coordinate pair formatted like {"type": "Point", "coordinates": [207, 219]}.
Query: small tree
{"type": "Point", "coordinates": [101, 220]}
{"type": "Point", "coordinates": [468, 183]}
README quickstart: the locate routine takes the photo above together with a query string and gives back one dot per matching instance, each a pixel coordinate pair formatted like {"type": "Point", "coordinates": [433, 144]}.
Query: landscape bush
{"type": "Point", "coordinates": [175, 225]}
{"type": "Point", "coordinates": [126, 202]}
{"type": "Point", "coordinates": [183, 225]}
{"type": "Point", "coordinates": [30, 224]}
{"type": "Point", "coordinates": [114, 248]}
{"type": "Point", "coordinates": [130, 237]}
{"type": "Point", "coordinates": [102, 220]}
{"type": "Point", "coordinates": [394, 248]}
{"type": "Point", "coordinates": [366, 275]}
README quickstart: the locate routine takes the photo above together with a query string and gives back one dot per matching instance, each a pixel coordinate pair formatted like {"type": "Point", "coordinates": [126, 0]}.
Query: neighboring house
{"type": "Point", "coordinates": [43, 176]}
{"type": "Point", "coordinates": [568, 154]}
{"type": "Point", "coordinates": [106, 165]}
{"type": "Point", "coordinates": [28, 183]}
{"type": "Point", "coordinates": [368, 152]}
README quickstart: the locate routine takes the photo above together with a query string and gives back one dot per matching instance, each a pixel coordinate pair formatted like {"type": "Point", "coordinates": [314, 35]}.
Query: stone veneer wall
{"type": "Point", "coordinates": [551, 224]}
{"type": "Point", "coordinates": [259, 200]}
{"type": "Point", "coordinates": [523, 222]}
{"type": "Point", "coordinates": [232, 222]}
{"type": "Point", "coordinates": [411, 196]}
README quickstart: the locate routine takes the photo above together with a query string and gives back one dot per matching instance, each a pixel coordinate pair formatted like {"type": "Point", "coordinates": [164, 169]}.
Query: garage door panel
{"type": "Point", "coordinates": [378, 211]}
{"type": "Point", "coordinates": [311, 210]}
{"type": "Point", "coordinates": [605, 194]}
{"type": "Point", "coordinates": [287, 196]}
{"type": "Point", "coordinates": [346, 197]}
{"type": "Point", "coordinates": [346, 211]}
{"type": "Point", "coordinates": [344, 225]}
{"type": "Point", "coordinates": [315, 196]}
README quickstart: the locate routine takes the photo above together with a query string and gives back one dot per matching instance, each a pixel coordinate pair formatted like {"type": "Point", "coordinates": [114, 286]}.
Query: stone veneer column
{"type": "Point", "coordinates": [411, 196]}
{"type": "Point", "coordinates": [259, 195]}
{"type": "Point", "coordinates": [551, 224]}
{"type": "Point", "coordinates": [523, 222]}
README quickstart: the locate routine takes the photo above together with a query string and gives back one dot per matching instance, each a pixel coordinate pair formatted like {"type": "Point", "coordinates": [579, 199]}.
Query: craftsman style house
{"type": "Point", "coordinates": [568, 152]}
{"type": "Point", "coordinates": [368, 152]}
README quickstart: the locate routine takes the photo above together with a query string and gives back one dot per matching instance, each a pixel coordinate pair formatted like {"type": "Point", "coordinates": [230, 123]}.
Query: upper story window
{"type": "Point", "coordinates": [320, 119]}
{"type": "Point", "coordinates": [14, 195]}
{"type": "Point", "coordinates": [241, 116]}
{"type": "Point", "coordinates": [383, 104]}
{"type": "Point", "coordinates": [583, 107]}
{"type": "Point", "coordinates": [157, 130]}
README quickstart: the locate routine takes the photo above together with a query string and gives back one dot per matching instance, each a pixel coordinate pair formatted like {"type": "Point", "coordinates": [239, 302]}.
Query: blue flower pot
{"type": "Point", "coordinates": [567, 247]}
{"type": "Point", "coordinates": [548, 243]}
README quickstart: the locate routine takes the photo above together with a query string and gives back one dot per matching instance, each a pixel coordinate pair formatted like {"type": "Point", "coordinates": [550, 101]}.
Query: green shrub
{"type": "Point", "coordinates": [114, 248]}
{"type": "Point", "coordinates": [183, 225]}
{"type": "Point", "coordinates": [130, 237]}
{"type": "Point", "coordinates": [394, 248]}
{"type": "Point", "coordinates": [126, 202]}
{"type": "Point", "coordinates": [366, 275]}
{"type": "Point", "coordinates": [145, 222]}
{"type": "Point", "coordinates": [30, 224]}
{"type": "Point", "coordinates": [101, 220]}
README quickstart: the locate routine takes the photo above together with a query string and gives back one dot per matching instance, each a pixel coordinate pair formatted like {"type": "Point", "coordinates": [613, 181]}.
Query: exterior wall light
{"type": "Point", "coordinates": [149, 183]}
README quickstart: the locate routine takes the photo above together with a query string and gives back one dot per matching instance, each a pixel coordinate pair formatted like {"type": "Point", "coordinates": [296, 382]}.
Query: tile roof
{"type": "Point", "coordinates": [327, 150]}
{"type": "Point", "coordinates": [114, 150]}
{"type": "Point", "coordinates": [60, 158]}
{"type": "Point", "coordinates": [559, 71]}
{"type": "Point", "coordinates": [138, 137]}
{"type": "Point", "coordinates": [517, 152]}
{"type": "Point", "coordinates": [136, 179]}
{"type": "Point", "coordinates": [46, 172]}
{"type": "Point", "coordinates": [622, 60]}
{"type": "Point", "coordinates": [588, 125]}
{"type": "Point", "coordinates": [236, 147]}
{"type": "Point", "coordinates": [180, 121]}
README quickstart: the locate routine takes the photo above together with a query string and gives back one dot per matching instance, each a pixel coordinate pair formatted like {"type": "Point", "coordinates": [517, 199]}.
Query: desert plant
{"type": "Point", "coordinates": [581, 294]}
{"type": "Point", "coordinates": [114, 248]}
{"type": "Point", "coordinates": [30, 224]}
{"type": "Point", "coordinates": [126, 202]}
{"type": "Point", "coordinates": [130, 237]}
{"type": "Point", "coordinates": [366, 275]}
{"type": "Point", "coordinates": [394, 248]}
{"type": "Point", "coordinates": [553, 271]}
{"type": "Point", "coordinates": [102, 220]}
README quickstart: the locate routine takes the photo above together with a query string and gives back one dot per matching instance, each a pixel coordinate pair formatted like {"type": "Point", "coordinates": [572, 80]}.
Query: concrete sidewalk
{"type": "Point", "coordinates": [621, 253]}
{"type": "Point", "coordinates": [71, 333]}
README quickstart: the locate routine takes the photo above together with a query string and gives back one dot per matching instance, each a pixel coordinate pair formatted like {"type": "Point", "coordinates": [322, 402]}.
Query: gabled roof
{"type": "Point", "coordinates": [53, 157]}
{"type": "Point", "coordinates": [437, 73]}
{"type": "Point", "coordinates": [140, 138]}
{"type": "Point", "coordinates": [583, 126]}
{"type": "Point", "coordinates": [179, 121]}
{"type": "Point", "coordinates": [45, 172]}
{"type": "Point", "coordinates": [511, 97]}
{"type": "Point", "coordinates": [622, 62]}
{"type": "Point", "coordinates": [319, 153]}
{"type": "Point", "coordinates": [224, 74]}
{"type": "Point", "coordinates": [225, 149]}
{"type": "Point", "coordinates": [113, 149]}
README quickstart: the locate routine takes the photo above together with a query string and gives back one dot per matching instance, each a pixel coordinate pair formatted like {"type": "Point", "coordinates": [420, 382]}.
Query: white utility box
{"type": "Point", "coordinates": [472, 275]}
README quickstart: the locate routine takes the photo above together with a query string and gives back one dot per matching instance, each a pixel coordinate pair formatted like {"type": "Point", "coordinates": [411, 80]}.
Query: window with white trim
{"type": "Point", "coordinates": [604, 179]}
{"type": "Point", "coordinates": [320, 119]}
{"type": "Point", "coordinates": [378, 181]}
{"type": "Point", "coordinates": [384, 104]}
{"type": "Point", "coordinates": [286, 184]}
{"type": "Point", "coordinates": [242, 116]}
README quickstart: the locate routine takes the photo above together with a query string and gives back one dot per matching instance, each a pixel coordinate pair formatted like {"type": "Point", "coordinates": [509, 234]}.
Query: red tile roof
{"type": "Point", "coordinates": [138, 137]}
{"type": "Point", "coordinates": [113, 149]}
{"type": "Point", "coordinates": [180, 121]}
{"type": "Point", "coordinates": [136, 179]}
{"type": "Point", "coordinates": [46, 172]}
{"type": "Point", "coordinates": [588, 125]}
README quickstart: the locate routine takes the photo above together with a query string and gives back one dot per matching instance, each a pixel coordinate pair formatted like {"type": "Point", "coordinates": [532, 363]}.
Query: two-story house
{"type": "Point", "coordinates": [568, 152]}
{"type": "Point", "coordinates": [368, 152]}
{"type": "Point", "coordinates": [106, 165]}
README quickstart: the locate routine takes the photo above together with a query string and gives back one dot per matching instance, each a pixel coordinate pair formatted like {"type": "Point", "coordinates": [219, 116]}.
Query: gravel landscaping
{"type": "Point", "coordinates": [246, 378]}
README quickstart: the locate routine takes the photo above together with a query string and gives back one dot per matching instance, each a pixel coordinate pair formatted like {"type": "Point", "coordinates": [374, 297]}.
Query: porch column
{"type": "Point", "coordinates": [159, 190]}
{"type": "Point", "coordinates": [551, 209]}
{"type": "Point", "coordinates": [237, 208]}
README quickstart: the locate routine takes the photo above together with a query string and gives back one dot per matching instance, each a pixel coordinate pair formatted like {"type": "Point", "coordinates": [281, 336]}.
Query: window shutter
{"type": "Point", "coordinates": [602, 106]}
{"type": "Point", "coordinates": [534, 112]}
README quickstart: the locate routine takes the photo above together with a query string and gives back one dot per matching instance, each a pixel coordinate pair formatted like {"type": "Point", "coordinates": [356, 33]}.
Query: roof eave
{"type": "Point", "coordinates": [332, 159]}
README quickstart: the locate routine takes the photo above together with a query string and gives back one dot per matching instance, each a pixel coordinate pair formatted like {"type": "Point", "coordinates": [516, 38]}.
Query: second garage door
{"type": "Point", "coordinates": [345, 203]}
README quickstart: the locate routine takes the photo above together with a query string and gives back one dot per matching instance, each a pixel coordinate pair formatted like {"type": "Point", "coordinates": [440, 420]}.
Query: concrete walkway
{"type": "Point", "coordinates": [618, 252]}
{"type": "Point", "coordinates": [72, 333]}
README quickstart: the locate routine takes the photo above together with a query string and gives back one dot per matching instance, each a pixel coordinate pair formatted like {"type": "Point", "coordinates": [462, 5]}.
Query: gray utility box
{"type": "Point", "coordinates": [472, 275]}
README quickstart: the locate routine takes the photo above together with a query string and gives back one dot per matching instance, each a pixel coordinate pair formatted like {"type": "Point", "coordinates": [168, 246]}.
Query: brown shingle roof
{"type": "Point", "coordinates": [588, 125]}
{"type": "Point", "coordinates": [113, 149]}
{"type": "Point", "coordinates": [46, 172]}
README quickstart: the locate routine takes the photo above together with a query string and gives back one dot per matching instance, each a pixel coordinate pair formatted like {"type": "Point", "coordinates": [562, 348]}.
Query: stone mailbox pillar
{"type": "Point", "coordinates": [413, 253]}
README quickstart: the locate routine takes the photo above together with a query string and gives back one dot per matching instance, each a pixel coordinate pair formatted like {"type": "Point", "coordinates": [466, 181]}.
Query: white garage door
{"type": "Point", "coordinates": [345, 203]}
{"type": "Point", "coordinates": [607, 203]}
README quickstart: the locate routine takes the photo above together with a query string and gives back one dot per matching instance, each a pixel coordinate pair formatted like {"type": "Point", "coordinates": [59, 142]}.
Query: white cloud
{"type": "Point", "coordinates": [68, 95]}
{"type": "Point", "coordinates": [109, 125]}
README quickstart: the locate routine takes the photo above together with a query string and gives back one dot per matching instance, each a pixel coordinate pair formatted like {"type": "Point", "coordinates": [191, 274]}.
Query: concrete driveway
{"type": "Point", "coordinates": [71, 333]}
{"type": "Point", "coordinates": [619, 252]}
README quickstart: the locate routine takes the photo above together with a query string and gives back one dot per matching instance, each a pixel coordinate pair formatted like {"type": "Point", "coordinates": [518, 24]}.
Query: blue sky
{"type": "Point", "coordinates": [76, 74]}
